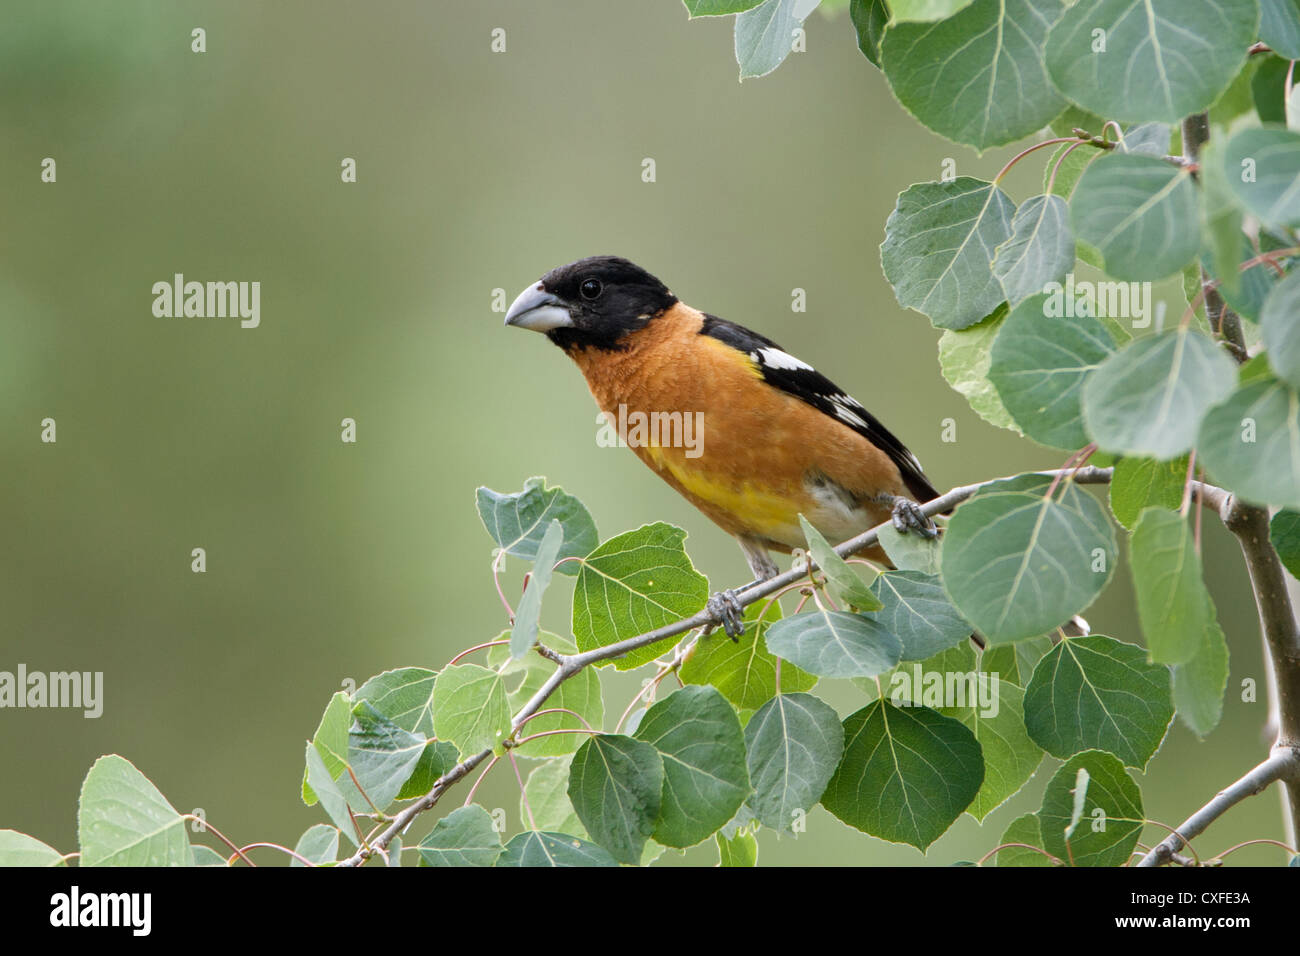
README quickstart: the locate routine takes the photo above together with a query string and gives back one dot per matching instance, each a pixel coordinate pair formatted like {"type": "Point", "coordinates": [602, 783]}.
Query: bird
{"type": "Point", "coordinates": [778, 438]}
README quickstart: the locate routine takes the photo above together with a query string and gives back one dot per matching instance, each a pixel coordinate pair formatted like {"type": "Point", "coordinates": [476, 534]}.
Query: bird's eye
{"type": "Point", "coordinates": [590, 288]}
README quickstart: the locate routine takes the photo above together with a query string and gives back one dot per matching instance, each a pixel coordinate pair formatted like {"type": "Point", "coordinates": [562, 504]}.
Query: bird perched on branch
{"type": "Point", "coordinates": [779, 439]}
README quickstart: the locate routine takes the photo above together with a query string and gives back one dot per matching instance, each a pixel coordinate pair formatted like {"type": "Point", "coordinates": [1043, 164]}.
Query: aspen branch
{"type": "Point", "coordinates": [1283, 763]}
{"type": "Point", "coordinates": [568, 665]}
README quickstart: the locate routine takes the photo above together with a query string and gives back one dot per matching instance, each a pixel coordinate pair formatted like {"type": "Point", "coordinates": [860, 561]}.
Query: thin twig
{"type": "Point", "coordinates": [1282, 763]}
{"type": "Point", "coordinates": [570, 665]}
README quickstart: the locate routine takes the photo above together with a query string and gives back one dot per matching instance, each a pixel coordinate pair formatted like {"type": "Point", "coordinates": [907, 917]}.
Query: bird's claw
{"type": "Point", "coordinates": [908, 516]}
{"type": "Point", "coordinates": [725, 607]}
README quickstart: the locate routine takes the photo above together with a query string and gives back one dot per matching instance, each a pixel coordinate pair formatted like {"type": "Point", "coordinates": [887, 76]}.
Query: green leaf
{"type": "Point", "coordinates": [319, 844]}
{"type": "Point", "coordinates": [718, 8]}
{"type": "Point", "coordinates": [1262, 168]}
{"type": "Point", "coordinates": [1167, 579]}
{"type": "Point", "coordinates": [381, 754]}
{"type": "Point", "coordinates": [964, 361]}
{"type": "Point", "coordinates": [1140, 213]}
{"type": "Point", "coordinates": [1254, 285]}
{"type": "Point", "coordinates": [327, 789]}
{"type": "Point", "coordinates": [1111, 818]}
{"type": "Point", "coordinates": [19, 849]}
{"type": "Point", "coordinates": [870, 17]}
{"type": "Point", "coordinates": [1279, 26]}
{"type": "Point", "coordinates": [976, 77]}
{"type": "Point", "coordinates": [1284, 532]}
{"type": "Point", "coordinates": [1161, 60]}
{"type": "Point", "coordinates": [544, 804]}
{"type": "Point", "coordinates": [1150, 139]}
{"type": "Point", "coordinates": [518, 522]}
{"type": "Point", "coordinates": [793, 744]}
{"type": "Point", "coordinates": [834, 644]}
{"type": "Point", "coordinates": [1010, 756]}
{"type": "Point", "coordinates": [905, 10]}
{"type": "Point", "coordinates": [906, 775]}
{"type": "Point", "coordinates": [842, 580]}
{"type": "Point", "coordinates": [464, 837]}
{"type": "Point", "coordinates": [437, 758]}
{"type": "Point", "coordinates": [581, 694]}
{"type": "Point", "coordinates": [916, 610]}
{"type": "Point", "coordinates": [1251, 443]}
{"type": "Point", "coordinates": [532, 848]}
{"type": "Point", "coordinates": [1280, 326]}
{"type": "Point", "coordinates": [1069, 164]}
{"type": "Point", "coordinates": [1268, 89]}
{"type": "Point", "coordinates": [744, 670]}
{"type": "Point", "coordinates": [1040, 250]}
{"type": "Point", "coordinates": [698, 735]}
{"type": "Point", "coordinates": [331, 741]}
{"type": "Point", "coordinates": [616, 787]}
{"type": "Point", "coordinates": [1140, 483]}
{"type": "Point", "coordinates": [1039, 365]}
{"type": "Point", "coordinates": [1149, 398]}
{"type": "Point", "coordinates": [403, 695]}
{"type": "Point", "coordinates": [633, 583]}
{"type": "Point", "coordinates": [206, 856]}
{"type": "Point", "coordinates": [1026, 830]}
{"type": "Point", "coordinates": [528, 616]}
{"type": "Point", "coordinates": [740, 850]}
{"type": "Point", "coordinates": [1199, 684]}
{"type": "Point", "coordinates": [764, 34]}
{"type": "Point", "coordinates": [1097, 693]}
{"type": "Point", "coordinates": [470, 708]}
{"type": "Point", "coordinates": [939, 243]}
{"type": "Point", "coordinates": [1017, 565]}
{"type": "Point", "coordinates": [123, 820]}
{"type": "Point", "coordinates": [1016, 662]}
{"type": "Point", "coordinates": [910, 552]}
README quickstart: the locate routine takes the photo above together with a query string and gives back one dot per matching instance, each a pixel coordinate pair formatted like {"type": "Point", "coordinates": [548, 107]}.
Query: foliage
{"type": "Point", "coordinates": [749, 742]}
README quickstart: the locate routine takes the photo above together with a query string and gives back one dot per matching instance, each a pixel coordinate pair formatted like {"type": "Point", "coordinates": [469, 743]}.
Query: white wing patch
{"type": "Point", "coordinates": [775, 358]}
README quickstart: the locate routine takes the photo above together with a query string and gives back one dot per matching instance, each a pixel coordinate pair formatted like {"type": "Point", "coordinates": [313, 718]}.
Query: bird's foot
{"type": "Point", "coordinates": [908, 516]}
{"type": "Point", "coordinates": [725, 607]}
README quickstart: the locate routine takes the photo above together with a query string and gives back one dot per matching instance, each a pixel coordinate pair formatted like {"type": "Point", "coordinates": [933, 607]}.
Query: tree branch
{"type": "Point", "coordinates": [1283, 763]}
{"type": "Point", "coordinates": [569, 664]}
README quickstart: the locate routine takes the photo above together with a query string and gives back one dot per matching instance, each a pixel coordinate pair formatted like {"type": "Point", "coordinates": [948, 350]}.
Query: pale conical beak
{"type": "Point", "coordinates": [539, 310]}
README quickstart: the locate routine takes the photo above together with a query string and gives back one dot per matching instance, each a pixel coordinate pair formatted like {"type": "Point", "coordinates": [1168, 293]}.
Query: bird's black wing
{"type": "Point", "coordinates": [782, 370]}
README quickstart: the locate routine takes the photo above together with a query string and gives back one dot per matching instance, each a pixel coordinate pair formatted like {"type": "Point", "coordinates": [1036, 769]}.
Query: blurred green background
{"type": "Point", "coordinates": [476, 171]}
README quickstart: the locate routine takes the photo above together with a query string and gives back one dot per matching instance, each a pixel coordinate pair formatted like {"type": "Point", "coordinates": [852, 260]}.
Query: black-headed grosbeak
{"type": "Point", "coordinates": [780, 439]}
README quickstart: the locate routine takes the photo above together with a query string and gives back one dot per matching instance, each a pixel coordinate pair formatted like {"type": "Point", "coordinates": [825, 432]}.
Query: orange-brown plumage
{"type": "Point", "coordinates": [758, 442]}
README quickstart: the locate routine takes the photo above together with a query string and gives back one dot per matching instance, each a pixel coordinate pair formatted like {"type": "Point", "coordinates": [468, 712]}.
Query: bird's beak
{"type": "Point", "coordinates": [538, 310]}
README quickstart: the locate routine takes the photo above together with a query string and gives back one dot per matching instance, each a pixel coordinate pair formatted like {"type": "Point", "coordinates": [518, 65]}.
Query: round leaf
{"type": "Point", "coordinates": [698, 735]}
{"type": "Point", "coordinates": [1096, 693]}
{"type": "Point", "coordinates": [1017, 565]}
{"type": "Point", "coordinates": [1039, 365]}
{"type": "Point", "coordinates": [1251, 443]}
{"type": "Point", "coordinates": [834, 644]}
{"type": "Point", "coordinates": [793, 744]}
{"type": "Point", "coordinates": [1140, 213]}
{"type": "Point", "coordinates": [1149, 398]}
{"type": "Point", "coordinates": [939, 243]}
{"type": "Point", "coordinates": [976, 77]}
{"type": "Point", "coordinates": [906, 775]}
{"type": "Point", "coordinates": [1102, 808]}
{"type": "Point", "coordinates": [1149, 59]}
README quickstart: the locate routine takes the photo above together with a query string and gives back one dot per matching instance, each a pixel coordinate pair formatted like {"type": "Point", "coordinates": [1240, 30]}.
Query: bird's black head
{"type": "Point", "coordinates": [593, 302]}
